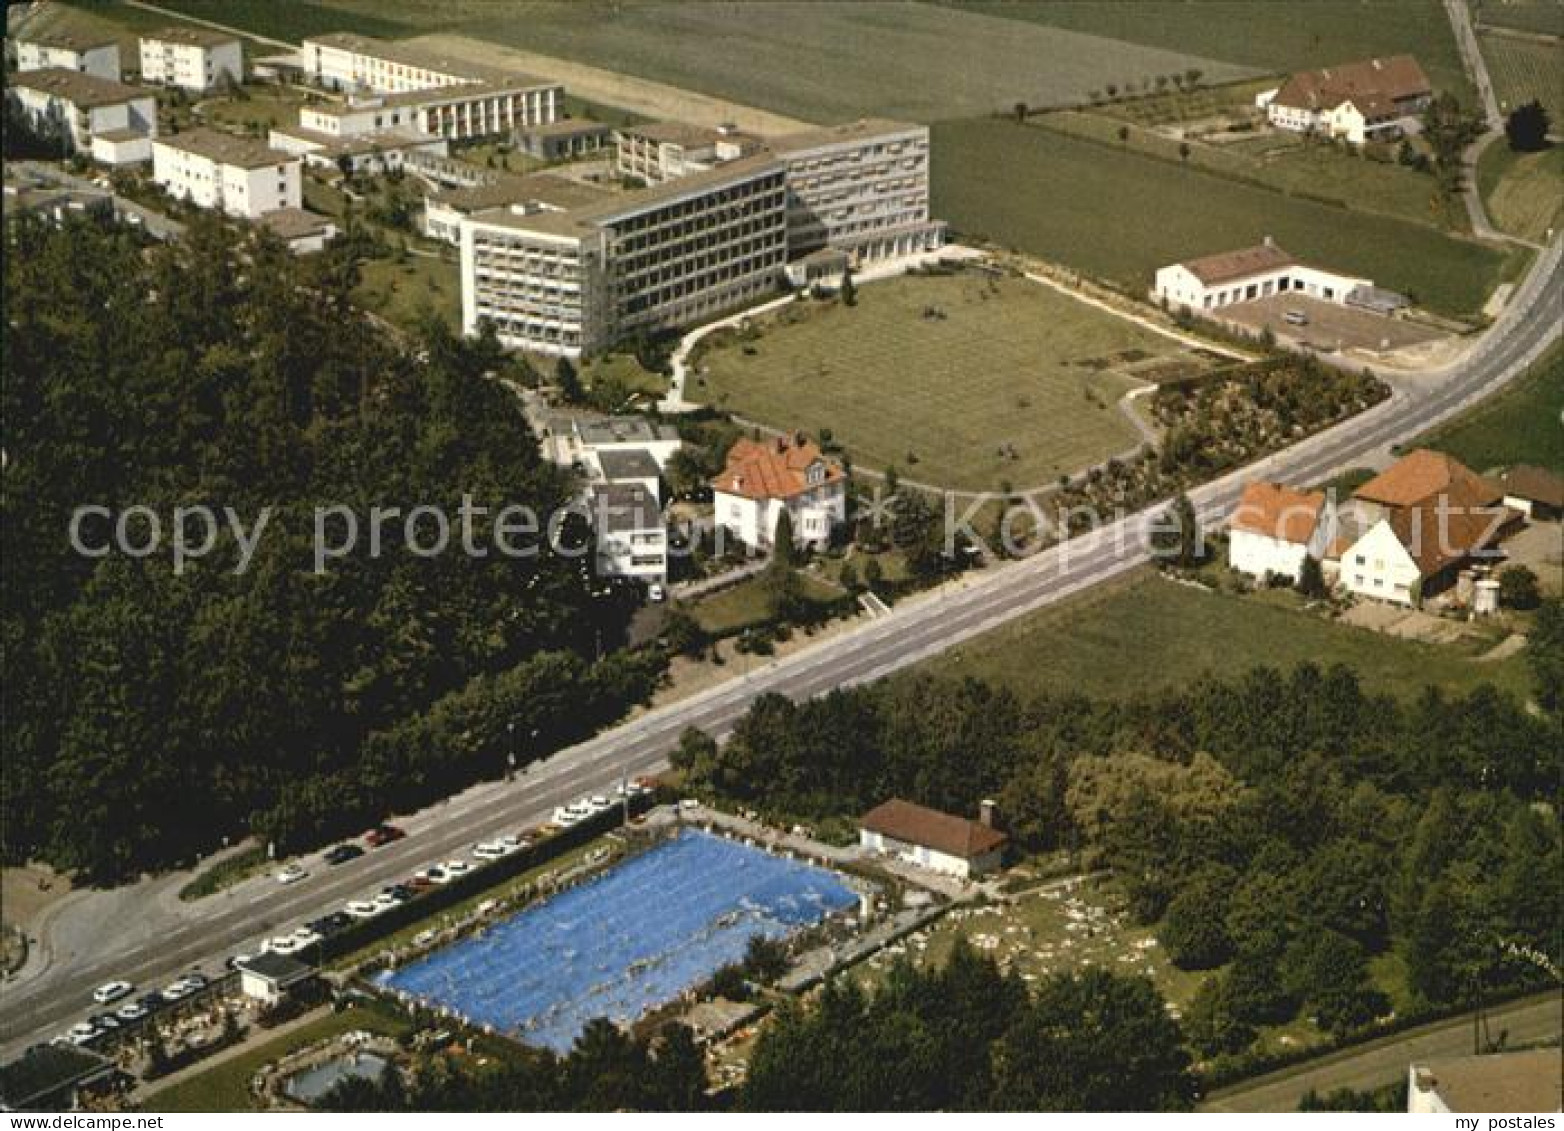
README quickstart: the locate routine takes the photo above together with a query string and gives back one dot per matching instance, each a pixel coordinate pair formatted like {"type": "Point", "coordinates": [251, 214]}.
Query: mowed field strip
{"type": "Point", "coordinates": [1524, 69]}
{"type": "Point", "coordinates": [819, 62]}
{"type": "Point", "coordinates": [959, 381]}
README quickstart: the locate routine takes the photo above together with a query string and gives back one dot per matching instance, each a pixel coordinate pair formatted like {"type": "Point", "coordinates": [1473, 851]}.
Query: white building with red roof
{"type": "Point", "coordinates": [763, 478]}
{"type": "Point", "coordinates": [1212, 282]}
{"type": "Point", "coordinates": [1274, 528]}
{"type": "Point", "coordinates": [1363, 101]}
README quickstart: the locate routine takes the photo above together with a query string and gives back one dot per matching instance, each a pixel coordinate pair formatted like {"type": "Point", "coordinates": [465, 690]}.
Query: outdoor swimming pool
{"type": "Point", "coordinates": [630, 939]}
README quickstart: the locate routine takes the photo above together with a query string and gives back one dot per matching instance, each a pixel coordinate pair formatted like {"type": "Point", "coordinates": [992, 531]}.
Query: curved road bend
{"type": "Point", "coordinates": [916, 629]}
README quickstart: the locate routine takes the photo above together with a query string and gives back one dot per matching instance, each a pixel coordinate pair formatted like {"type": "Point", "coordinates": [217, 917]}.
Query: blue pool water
{"type": "Point", "coordinates": [630, 939]}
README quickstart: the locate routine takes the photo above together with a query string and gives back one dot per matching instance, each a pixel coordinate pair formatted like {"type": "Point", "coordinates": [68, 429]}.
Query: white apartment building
{"type": "Point", "coordinates": [192, 58]}
{"type": "Point", "coordinates": [459, 112]}
{"type": "Point", "coordinates": [347, 61]}
{"type": "Point", "coordinates": [631, 539]}
{"type": "Point", "coordinates": [656, 152]}
{"type": "Point", "coordinates": [87, 109]}
{"type": "Point", "coordinates": [860, 188]}
{"type": "Point", "coordinates": [764, 478]}
{"type": "Point", "coordinates": [69, 50]}
{"type": "Point", "coordinates": [525, 195]}
{"type": "Point", "coordinates": [383, 151]}
{"type": "Point", "coordinates": [571, 283]}
{"type": "Point", "coordinates": [1214, 281]}
{"type": "Point", "coordinates": [1274, 528]}
{"type": "Point", "coordinates": [237, 175]}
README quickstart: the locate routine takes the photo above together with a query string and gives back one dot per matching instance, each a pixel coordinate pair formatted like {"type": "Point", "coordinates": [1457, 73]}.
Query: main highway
{"type": "Point", "coordinates": [172, 940]}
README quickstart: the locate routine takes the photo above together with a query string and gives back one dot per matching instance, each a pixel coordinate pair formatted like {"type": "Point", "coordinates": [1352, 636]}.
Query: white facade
{"type": "Point", "coordinates": [345, 61]}
{"type": "Point", "coordinates": [84, 106]}
{"type": "Point", "coordinates": [1259, 554]}
{"type": "Point", "coordinates": [1181, 287]}
{"type": "Point", "coordinates": [121, 147]}
{"type": "Point", "coordinates": [244, 179]}
{"type": "Point", "coordinates": [815, 514]}
{"type": "Point", "coordinates": [930, 859]}
{"type": "Point", "coordinates": [374, 153]}
{"type": "Point", "coordinates": [191, 59]}
{"type": "Point", "coordinates": [631, 539]}
{"type": "Point", "coordinates": [1377, 565]}
{"type": "Point", "coordinates": [98, 59]}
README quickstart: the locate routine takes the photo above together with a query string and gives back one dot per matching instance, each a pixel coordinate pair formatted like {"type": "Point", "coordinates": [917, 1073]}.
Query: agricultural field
{"type": "Point", "coordinates": [1166, 627]}
{"type": "Point", "coordinates": [101, 17]}
{"type": "Point", "coordinates": [823, 62]}
{"type": "Point", "coordinates": [1271, 37]}
{"type": "Point", "coordinates": [1288, 163]}
{"type": "Point", "coordinates": [1523, 193]}
{"type": "Point", "coordinates": [296, 19]}
{"type": "Point", "coordinates": [1524, 69]}
{"type": "Point", "coordinates": [1121, 215]}
{"type": "Point", "coordinates": [960, 381]}
{"type": "Point", "coordinates": [1522, 424]}
{"type": "Point", "coordinates": [1541, 17]}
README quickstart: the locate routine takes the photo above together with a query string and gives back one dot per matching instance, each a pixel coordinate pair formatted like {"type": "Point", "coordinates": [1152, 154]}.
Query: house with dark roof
{"type": "Point", "coordinates": [270, 977]}
{"type": "Point", "coordinates": [1363, 101]}
{"type": "Point", "coordinates": [1211, 282]}
{"type": "Point", "coordinates": [1529, 1080]}
{"type": "Point", "coordinates": [1274, 528]}
{"type": "Point", "coordinates": [928, 838]}
{"type": "Point", "coordinates": [1425, 518]}
{"type": "Point", "coordinates": [1534, 491]}
{"type": "Point", "coordinates": [764, 478]}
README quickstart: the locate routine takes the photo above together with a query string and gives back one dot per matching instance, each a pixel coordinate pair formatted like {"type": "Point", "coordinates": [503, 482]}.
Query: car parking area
{"type": "Point", "coordinates": [1331, 327]}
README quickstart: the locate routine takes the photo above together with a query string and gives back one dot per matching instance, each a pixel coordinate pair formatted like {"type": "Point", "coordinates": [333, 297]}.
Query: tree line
{"type": "Point", "coordinates": [150, 715]}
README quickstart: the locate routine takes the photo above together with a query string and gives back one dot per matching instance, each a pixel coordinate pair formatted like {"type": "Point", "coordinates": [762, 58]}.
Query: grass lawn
{"type": "Point", "coordinates": [403, 292]}
{"type": "Point", "coordinates": [226, 873]}
{"type": "Point", "coordinates": [295, 19]}
{"type": "Point", "coordinates": [1524, 69]}
{"type": "Point", "coordinates": [1146, 634]}
{"type": "Point", "coordinates": [1522, 192]}
{"type": "Point", "coordinates": [226, 1086]}
{"type": "Point", "coordinates": [1289, 165]}
{"type": "Point", "coordinates": [1266, 34]}
{"type": "Point", "coordinates": [1012, 382]}
{"type": "Point", "coordinates": [748, 603]}
{"type": "Point", "coordinates": [1519, 425]}
{"type": "Point", "coordinates": [266, 105]}
{"type": "Point", "coordinates": [1546, 17]}
{"type": "Point", "coordinates": [825, 61]}
{"type": "Point", "coordinates": [117, 18]}
{"type": "Point", "coordinates": [1121, 215]}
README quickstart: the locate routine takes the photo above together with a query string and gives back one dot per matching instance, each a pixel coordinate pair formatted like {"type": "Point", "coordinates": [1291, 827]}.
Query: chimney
{"type": "Point", "coordinates": [987, 810]}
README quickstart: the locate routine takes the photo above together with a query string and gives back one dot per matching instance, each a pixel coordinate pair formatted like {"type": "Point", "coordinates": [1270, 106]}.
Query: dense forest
{"type": "Point", "coordinates": [1281, 830]}
{"type": "Point", "coordinates": [151, 711]}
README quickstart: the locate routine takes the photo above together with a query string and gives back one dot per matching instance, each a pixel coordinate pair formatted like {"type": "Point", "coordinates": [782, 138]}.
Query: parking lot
{"type": "Point", "coordinates": [1331, 327]}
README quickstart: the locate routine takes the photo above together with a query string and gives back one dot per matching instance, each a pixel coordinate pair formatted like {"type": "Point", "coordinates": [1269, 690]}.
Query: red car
{"type": "Point", "coordinates": [382, 835]}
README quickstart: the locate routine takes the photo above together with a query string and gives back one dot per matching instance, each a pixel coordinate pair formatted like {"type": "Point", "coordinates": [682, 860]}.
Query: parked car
{"type": "Point", "coordinates": [197, 980]}
{"type": "Point", "coordinates": [235, 959]}
{"type": "Point", "coordinates": [304, 936]}
{"type": "Point", "coordinates": [455, 869]}
{"type": "Point", "coordinates": [82, 1032]}
{"type": "Point", "coordinates": [131, 1011]}
{"type": "Point", "coordinates": [292, 874]}
{"type": "Point", "coordinates": [363, 909]}
{"type": "Point", "coordinates": [177, 990]}
{"type": "Point", "coordinates": [656, 592]}
{"type": "Point", "coordinates": [151, 1002]}
{"type": "Point", "coordinates": [111, 991]}
{"type": "Point", "coordinates": [104, 1022]}
{"type": "Point", "coordinates": [383, 835]}
{"type": "Point", "coordinates": [281, 944]}
{"type": "Point", "coordinates": [342, 853]}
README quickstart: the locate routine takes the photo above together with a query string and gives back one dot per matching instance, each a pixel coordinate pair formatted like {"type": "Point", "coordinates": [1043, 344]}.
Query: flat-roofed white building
{"type": "Point", "coordinates": [531, 193]}
{"type": "Point", "coordinates": [82, 107]}
{"type": "Point", "coordinates": [382, 151]}
{"type": "Point", "coordinates": [1214, 281]}
{"type": "Point", "coordinates": [459, 112]}
{"type": "Point", "coordinates": [656, 152]}
{"type": "Point", "coordinates": [571, 283]}
{"type": "Point", "coordinates": [237, 175]}
{"type": "Point", "coordinates": [631, 538]}
{"type": "Point", "coordinates": [861, 188]}
{"type": "Point", "coordinates": [192, 58]}
{"type": "Point", "coordinates": [68, 49]}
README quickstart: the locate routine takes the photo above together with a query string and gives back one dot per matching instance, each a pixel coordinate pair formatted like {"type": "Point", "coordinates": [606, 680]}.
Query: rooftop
{"type": "Point", "coordinates": [1369, 84]}
{"type": "Point", "coordinates": [78, 87]}
{"type": "Point", "coordinates": [677, 133]}
{"type": "Point", "coordinates": [549, 190]}
{"type": "Point", "coordinates": [68, 34]}
{"type": "Point", "coordinates": [191, 35]}
{"type": "Point", "coordinates": [1278, 512]}
{"type": "Point", "coordinates": [1229, 265]}
{"type": "Point", "coordinates": [1536, 484]}
{"type": "Point", "coordinates": [623, 430]}
{"type": "Point", "coordinates": [930, 828]}
{"type": "Point", "coordinates": [1529, 1081]}
{"type": "Point", "coordinates": [281, 969]}
{"type": "Point", "coordinates": [1423, 474]}
{"type": "Point", "coordinates": [375, 141]}
{"type": "Point", "coordinates": [408, 55]}
{"type": "Point", "coordinates": [776, 469]}
{"type": "Point", "coordinates": [227, 149]}
{"type": "Point", "coordinates": [628, 463]}
{"type": "Point", "coordinates": [566, 127]}
{"type": "Point", "coordinates": [864, 129]}
{"type": "Point", "coordinates": [624, 508]}
{"type": "Point", "coordinates": [44, 1071]}
{"type": "Point", "coordinates": [296, 223]}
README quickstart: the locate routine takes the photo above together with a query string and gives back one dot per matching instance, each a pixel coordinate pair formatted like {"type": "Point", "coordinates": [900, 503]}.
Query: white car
{"type": "Point", "coordinates": [600, 804]}
{"type": "Point", "coordinates": [111, 991]}
{"type": "Point", "coordinates": [497, 849]}
{"type": "Point", "coordinates": [566, 815]}
{"type": "Point", "coordinates": [81, 1032]}
{"type": "Point", "coordinates": [280, 944]}
{"type": "Point", "coordinates": [386, 900]}
{"type": "Point", "coordinates": [363, 909]}
{"type": "Point", "coordinates": [292, 874]}
{"type": "Point", "coordinates": [178, 990]}
{"type": "Point", "coordinates": [455, 868]}
{"type": "Point", "coordinates": [305, 936]}
{"type": "Point", "coordinates": [131, 1011]}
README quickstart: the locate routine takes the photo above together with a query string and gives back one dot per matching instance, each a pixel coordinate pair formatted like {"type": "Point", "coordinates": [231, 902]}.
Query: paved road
{"type": "Point", "coordinates": [1530, 1021]}
{"type": "Point", "coordinates": [915, 630]}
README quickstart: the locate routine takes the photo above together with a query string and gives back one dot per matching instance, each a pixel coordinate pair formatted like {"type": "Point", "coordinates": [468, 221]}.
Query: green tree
{"type": "Point", "coordinates": [1210, 1022]}
{"type": "Point", "coordinates": [1176, 537]}
{"type": "Point", "coordinates": [849, 289]}
{"type": "Point", "coordinates": [1311, 578]}
{"type": "Point", "coordinates": [568, 381]}
{"type": "Point", "coordinates": [1328, 973]}
{"type": "Point", "coordinates": [1527, 126]}
{"type": "Point", "coordinates": [1545, 652]}
{"type": "Point", "coordinates": [1194, 930]}
{"type": "Point", "coordinates": [1518, 588]}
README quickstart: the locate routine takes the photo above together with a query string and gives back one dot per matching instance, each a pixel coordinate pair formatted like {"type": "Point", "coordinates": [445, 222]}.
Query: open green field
{"type": "Point", "coordinates": [114, 17]}
{"type": "Point", "coordinates": [1147, 634]}
{"type": "Point", "coordinates": [748, 603]}
{"type": "Point", "coordinates": [959, 381]}
{"type": "Point", "coordinates": [824, 61]}
{"type": "Point", "coordinates": [1122, 215]}
{"type": "Point", "coordinates": [226, 1086]}
{"type": "Point", "coordinates": [1524, 69]}
{"type": "Point", "coordinates": [292, 20]}
{"type": "Point", "coordinates": [1523, 424]}
{"type": "Point", "coordinates": [1523, 193]}
{"type": "Point", "coordinates": [1290, 164]}
{"type": "Point", "coordinates": [1271, 35]}
{"type": "Point", "coordinates": [403, 292]}
{"type": "Point", "coordinates": [1545, 17]}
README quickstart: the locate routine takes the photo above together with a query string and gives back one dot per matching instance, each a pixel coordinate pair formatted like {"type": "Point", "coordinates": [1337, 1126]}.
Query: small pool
{"type": "Point", "coordinates": [311, 1084]}
{"type": "Point", "coordinates": [629, 940]}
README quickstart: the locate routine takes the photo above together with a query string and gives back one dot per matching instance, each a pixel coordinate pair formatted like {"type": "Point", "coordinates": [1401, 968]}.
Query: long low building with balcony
{"type": "Point", "coordinates": [236, 175]}
{"type": "Point", "coordinates": [574, 282]}
{"type": "Point", "coordinates": [457, 112]}
{"type": "Point", "coordinates": [382, 151]}
{"type": "Point", "coordinates": [349, 61]}
{"type": "Point", "coordinates": [530, 193]}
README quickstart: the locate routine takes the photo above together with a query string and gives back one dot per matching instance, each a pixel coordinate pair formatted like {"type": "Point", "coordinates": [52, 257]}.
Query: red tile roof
{"type": "Point", "coordinates": [1372, 85]}
{"type": "Point", "coordinates": [774, 469]}
{"type": "Point", "coordinates": [1424, 474]}
{"type": "Point", "coordinates": [1535, 484]}
{"type": "Point", "coordinates": [1278, 512]}
{"type": "Point", "coordinates": [929, 828]}
{"type": "Point", "coordinates": [1228, 265]}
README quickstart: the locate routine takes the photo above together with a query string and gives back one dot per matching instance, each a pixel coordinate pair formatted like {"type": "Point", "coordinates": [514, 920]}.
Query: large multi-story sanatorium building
{"type": "Point", "coordinates": [712, 237]}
